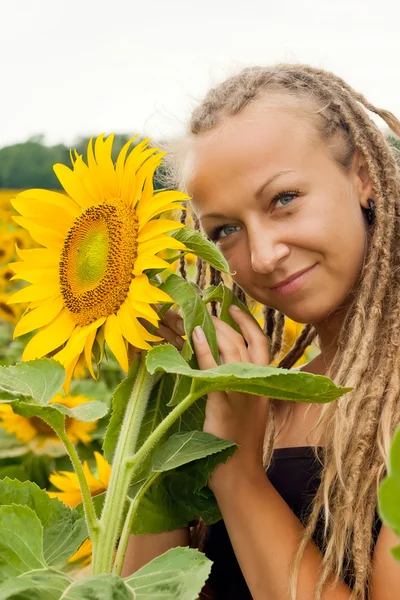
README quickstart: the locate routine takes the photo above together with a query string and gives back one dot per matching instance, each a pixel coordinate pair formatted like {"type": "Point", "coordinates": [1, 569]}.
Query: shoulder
{"type": "Point", "coordinates": [385, 582]}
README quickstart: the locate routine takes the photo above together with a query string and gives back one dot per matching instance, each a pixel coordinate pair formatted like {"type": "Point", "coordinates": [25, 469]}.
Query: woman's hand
{"type": "Point", "coordinates": [232, 415]}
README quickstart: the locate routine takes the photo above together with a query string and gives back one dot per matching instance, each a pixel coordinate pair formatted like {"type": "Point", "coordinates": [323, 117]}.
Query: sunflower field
{"type": "Point", "coordinates": [100, 419]}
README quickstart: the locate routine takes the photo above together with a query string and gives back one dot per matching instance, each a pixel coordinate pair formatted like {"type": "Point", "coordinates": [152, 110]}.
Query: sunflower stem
{"type": "Point", "coordinates": [90, 514]}
{"type": "Point", "coordinates": [126, 532]}
{"type": "Point", "coordinates": [121, 472]}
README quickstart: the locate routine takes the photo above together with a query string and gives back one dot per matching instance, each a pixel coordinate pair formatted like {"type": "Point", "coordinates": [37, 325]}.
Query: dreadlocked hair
{"type": "Point", "coordinates": [357, 428]}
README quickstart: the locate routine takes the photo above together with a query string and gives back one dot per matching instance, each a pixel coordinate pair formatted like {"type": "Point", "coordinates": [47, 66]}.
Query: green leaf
{"type": "Point", "coordinates": [179, 574]}
{"type": "Point", "coordinates": [176, 497]}
{"type": "Point", "coordinates": [99, 587]}
{"type": "Point", "coordinates": [21, 541]}
{"type": "Point", "coordinates": [119, 402]}
{"type": "Point", "coordinates": [34, 384]}
{"type": "Point", "coordinates": [277, 383]}
{"type": "Point", "coordinates": [64, 530]}
{"type": "Point", "coordinates": [182, 448]}
{"type": "Point", "coordinates": [396, 552]}
{"type": "Point", "coordinates": [226, 297]}
{"type": "Point", "coordinates": [36, 585]}
{"type": "Point", "coordinates": [202, 247]}
{"type": "Point", "coordinates": [389, 492]}
{"type": "Point", "coordinates": [87, 412]}
{"type": "Point", "coordinates": [194, 312]}
{"type": "Point", "coordinates": [38, 379]}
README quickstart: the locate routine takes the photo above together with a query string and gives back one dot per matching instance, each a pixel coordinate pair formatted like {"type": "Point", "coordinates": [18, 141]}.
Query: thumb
{"type": "Point", "coordinates": [202, 349]}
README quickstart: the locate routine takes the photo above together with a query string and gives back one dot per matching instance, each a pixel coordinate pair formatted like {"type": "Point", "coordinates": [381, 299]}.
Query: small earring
{"type": "Point", "coordinates": [370, 212]}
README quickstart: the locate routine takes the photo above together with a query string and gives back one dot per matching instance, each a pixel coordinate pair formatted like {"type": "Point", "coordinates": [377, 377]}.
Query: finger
{"type": "Point", "coordinates": [230, 343]}
{"type": "Point", "coordinates": [257, 342]}
{"type": "Point", "coordinates": [202, 349]}
{"type": "Point", "coordinates": [170, 336]}
{"type": "Point", "coordinates": [174, 321]}
{"type": "Point", "coordinates": [230, 352]}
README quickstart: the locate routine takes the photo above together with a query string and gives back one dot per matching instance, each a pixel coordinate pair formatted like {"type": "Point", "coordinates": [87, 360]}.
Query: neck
{"type": "Point", "coordinates": [328, 333]}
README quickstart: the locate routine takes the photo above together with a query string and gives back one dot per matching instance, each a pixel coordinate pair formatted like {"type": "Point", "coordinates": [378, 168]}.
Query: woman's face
{"type": "Point", "coordinates": [287, 218]}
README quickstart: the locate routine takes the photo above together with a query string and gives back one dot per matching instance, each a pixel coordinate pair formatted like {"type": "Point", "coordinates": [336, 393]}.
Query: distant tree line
{"type": "Point", "coordinates": [30, 164]}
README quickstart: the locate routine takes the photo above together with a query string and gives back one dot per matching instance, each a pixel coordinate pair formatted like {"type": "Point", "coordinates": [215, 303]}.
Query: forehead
{"type": "Point", "coordinates": [258, 139]}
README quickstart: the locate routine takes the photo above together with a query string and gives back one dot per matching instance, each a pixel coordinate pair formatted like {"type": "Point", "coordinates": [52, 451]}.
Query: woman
{"type": "Point", "coordinates": [300, 190]}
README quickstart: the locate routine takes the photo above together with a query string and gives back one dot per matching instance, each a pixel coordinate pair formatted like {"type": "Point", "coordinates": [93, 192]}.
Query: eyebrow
{"type": "Point", "coordinates": [270, 180]}
{"type": "Point", "coordinates": [257, 195]}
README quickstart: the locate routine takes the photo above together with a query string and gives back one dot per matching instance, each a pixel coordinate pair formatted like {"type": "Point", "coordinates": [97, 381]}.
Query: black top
{"type": "Point", "coordinates": [295, 473]}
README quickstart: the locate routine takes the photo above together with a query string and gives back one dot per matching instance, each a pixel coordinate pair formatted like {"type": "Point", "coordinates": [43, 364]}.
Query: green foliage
{"type": "Point", "coordinates": [272, 382]}
{"type": "Point", "coordinates": [226, 298]}
{"type": "Point", "coordinates": [197, 243]}
{"type": "Point", "coordinates": [194, 311]}
{"type": "Point", "coordinates": [119, 401]}
{"type": "Point", "coordinates": [389, 492]}
{"type": "Point", "coordinates": [176, 575]}
{"type": "Point", "coordinates": [30, 164]}
{"type": "Point", "coordinates": [30, 386]}
{"type": "Point", "coordinates": [62, 530]}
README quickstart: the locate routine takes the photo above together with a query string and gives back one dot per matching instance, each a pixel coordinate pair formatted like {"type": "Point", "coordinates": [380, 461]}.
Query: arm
{"type": "Point", "coordinates": [263, 530]}
{"type": "Point", "coordinates": [264, 533]}
{"type": "Point", "coordinates": [143, 548]}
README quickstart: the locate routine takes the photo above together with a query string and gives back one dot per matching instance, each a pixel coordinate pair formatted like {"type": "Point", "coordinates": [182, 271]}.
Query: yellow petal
{"type": "Point", "coordinates": [141, 288]}
{"type": "Point", "coordinates": [65, 481]}
{"type": "Point", "coordinates": [50, 338]}
{"type": "Point", "coordinates": [145, 173]}
{"type": "Point", "coordinates": [88, 351]}
{"type": "Point", "coordinates": [158, 204]}
{"type": "Point", "coordinates": [89, 180]}
{"type": "Point", "coordinates": [93, 483]}
{"type": "Point", "coordinates": [69, 371]}
{"type": "Point", "coordinates": [120, 164]}
{"type": "Point", "coordinates": [103, 469]}
{"type": "Point", "coordinates": [127, 324]}
{"type": "Point", "coordinates": [34, 292]}
{"type": "Point", "coordinates": [54, 198]}
{"type": "Point", "coordinates": [39, 317]}
{"type": "Point", "coordinates": [39, 257]}
{"type": "Point", "coordinates": [149, 262]}
{"type": "Point", "coordinates": [102, 150]}
{"type": "Point", "coordinates": [155, 228]}
{"type": "Point", "coordinates": [116, 342]}
{"type": "Point", "coordinates": [42, 210]}
{"type": "Point", "coordinates": [144, 310]}
{"type": "Point", "coordinates": [40, 276]}
{"type": "Point", "coordinates": [159, 243]}
{"type": "Point", "coordinates": [72, 185]}
{"type": "Point", "coordinates": [41, 234]}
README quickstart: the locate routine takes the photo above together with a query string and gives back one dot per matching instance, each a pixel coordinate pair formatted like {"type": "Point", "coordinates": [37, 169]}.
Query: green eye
{"type": "Point", "coordinates": [226, 230]}
{"type": "Point", "coordinates": [285, 198]}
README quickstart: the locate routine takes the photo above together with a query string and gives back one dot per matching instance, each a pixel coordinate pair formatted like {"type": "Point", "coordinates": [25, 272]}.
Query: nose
{"type": "Point", "coordinates": [266, 253]}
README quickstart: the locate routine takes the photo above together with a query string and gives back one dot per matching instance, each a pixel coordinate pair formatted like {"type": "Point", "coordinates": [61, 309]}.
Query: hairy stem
{"type": "Point", "coordinates": [90, 514]}
{"type": "Point", "coordinates": [124, 539]}
{"type": "Point", "coordinates": [121, 472]}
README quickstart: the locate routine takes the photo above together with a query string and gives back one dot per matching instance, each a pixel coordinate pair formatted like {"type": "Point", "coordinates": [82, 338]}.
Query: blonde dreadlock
{"type": "Point", "coordinates": [358, 427]}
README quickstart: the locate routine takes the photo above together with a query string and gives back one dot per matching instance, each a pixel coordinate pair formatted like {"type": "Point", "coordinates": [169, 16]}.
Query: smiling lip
{"type": "Point", "coordinates": [292, 283]}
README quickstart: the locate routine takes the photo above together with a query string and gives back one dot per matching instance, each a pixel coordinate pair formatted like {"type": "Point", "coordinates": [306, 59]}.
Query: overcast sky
{"type": "Point", "coordinates": [76, 67]}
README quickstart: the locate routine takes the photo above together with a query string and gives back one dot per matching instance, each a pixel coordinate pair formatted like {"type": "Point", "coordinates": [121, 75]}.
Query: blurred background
{"type": "Point", "coordinates": [70, 70]}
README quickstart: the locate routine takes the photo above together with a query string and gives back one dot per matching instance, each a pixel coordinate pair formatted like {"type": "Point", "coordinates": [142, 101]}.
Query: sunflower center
{"type": "Point", "coordinates": [97, 260]}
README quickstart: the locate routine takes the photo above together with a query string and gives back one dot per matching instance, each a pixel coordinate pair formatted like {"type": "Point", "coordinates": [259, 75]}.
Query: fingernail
{"type": "Point", "coordinates": [234, 307]}
{"type": "Point", "coordinates": [199, 334]}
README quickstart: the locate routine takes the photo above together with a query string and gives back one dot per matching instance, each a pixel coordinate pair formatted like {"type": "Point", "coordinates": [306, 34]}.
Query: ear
{"type": "Point", "coordinates": [362, 180]}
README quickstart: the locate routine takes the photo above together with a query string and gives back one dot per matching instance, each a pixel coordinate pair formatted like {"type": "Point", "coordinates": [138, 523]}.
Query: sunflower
{"type": "Point", "coordinates": [68, 483]}
{"type": "Point", "coordinates": [89, 277]}
{"type": "Point", "coordinates": [8, 313]}
{"type": "Point", "coordinates": [40, 437]}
